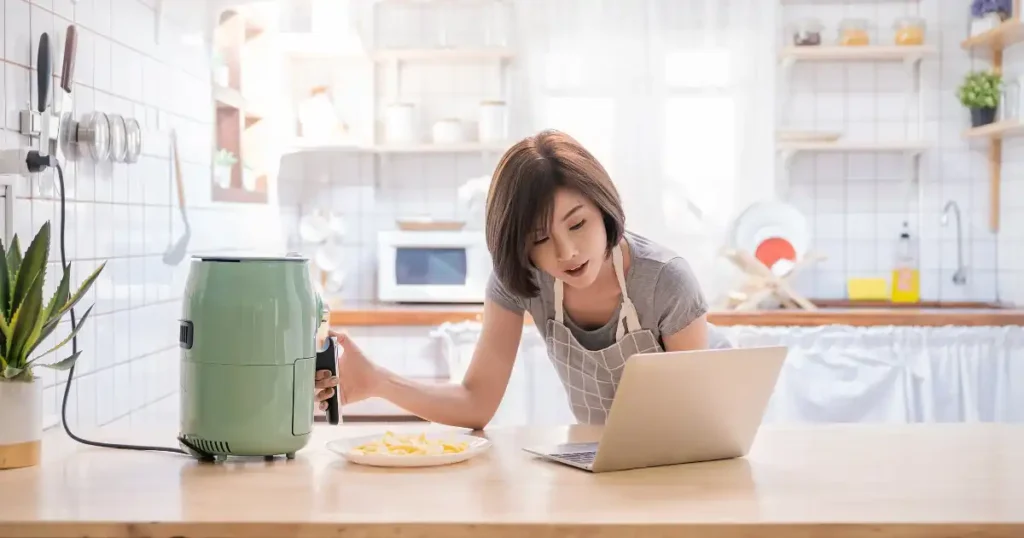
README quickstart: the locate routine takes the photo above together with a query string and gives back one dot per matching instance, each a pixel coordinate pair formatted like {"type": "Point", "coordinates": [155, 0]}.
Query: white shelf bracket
{"type": "Point", "coordinates": [913, 66]}
{"type": "Point", "coordinates": [8, 183]}
{"type": "Point", "coordinates": [913, 164]}
{"type": "Point", "coordinates": [785, 167]}
{"type": "Point", "coordinates": [787, 73]}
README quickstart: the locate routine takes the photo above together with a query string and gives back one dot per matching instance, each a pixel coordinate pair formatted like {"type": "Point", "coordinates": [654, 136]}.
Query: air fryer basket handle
{"type": "Point", "coordinates": [327, 359]}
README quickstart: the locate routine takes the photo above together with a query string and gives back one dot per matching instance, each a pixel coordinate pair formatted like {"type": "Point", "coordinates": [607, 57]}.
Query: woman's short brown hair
{"type": "Point", "coordinates": [521, 198]}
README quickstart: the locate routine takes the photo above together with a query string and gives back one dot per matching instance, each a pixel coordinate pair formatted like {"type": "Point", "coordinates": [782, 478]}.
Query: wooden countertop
{"type": "Point", "coordinates": [933, 314]}
{"type": "Point", "coordinates": [848, 481]}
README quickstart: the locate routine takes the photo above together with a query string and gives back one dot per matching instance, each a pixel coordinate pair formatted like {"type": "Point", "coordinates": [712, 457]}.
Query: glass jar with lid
{"type": "Point", "coordinates": [807, 32]}
{"type": "Point", "coordinates": [854, 32]}
{"type": "Point", "coordinates": [909, 31]}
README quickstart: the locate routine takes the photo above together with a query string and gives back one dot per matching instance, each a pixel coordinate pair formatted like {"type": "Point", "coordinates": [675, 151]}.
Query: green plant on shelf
{"type": "Point", "coordinates": [225, 158]}
{"type": "Point", "coordinates": [980, 92]}
{"type": "Point", "coordinates": [25, 320]}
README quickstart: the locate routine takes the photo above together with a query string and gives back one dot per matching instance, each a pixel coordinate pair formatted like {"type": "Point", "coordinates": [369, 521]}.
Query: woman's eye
{"type": "Point", "coordinates": [539, 240]}
{"type": "Point", "coordinates": [579, 225]}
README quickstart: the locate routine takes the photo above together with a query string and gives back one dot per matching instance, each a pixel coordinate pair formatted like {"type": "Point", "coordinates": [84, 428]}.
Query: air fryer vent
{"type": "Point", "coordinates": [210, 447]}
{"type": "Point", "coordinates": [185, 332]}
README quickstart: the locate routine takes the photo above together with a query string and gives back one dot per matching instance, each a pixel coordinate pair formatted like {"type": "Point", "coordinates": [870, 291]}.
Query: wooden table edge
{"type": "Point", "coordinates": [597, 529]}
{"type": "Point", "coordinates": [866, 317]}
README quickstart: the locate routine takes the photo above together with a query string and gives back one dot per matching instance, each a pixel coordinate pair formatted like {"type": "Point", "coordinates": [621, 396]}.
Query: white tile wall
{"type": "Point", "coordinates": [124, 215]}
{"type": "Point", "coordinates": [619, 104]}
{"type": "Point", "coordinates": [857, 202]}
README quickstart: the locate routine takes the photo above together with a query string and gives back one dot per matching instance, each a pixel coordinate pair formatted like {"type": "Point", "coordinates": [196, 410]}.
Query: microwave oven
{"type": "Point", "coordinates": [432, 266]}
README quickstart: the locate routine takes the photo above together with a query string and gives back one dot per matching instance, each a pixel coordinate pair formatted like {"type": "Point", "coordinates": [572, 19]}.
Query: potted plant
{"type": "Point", "coordinates": [223, 162]}
{"type": "Point", "coordinates": [26, 320]}
{"type": "Point", "coordinates": [980, 93]}
{"type": "Point", "coordinates": [988, 14]}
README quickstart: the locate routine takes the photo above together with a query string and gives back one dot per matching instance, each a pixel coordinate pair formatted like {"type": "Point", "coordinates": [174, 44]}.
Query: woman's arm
{"type": "Point", "coordinates": [682, 308]}
{"type": "Point", "coordinates": [472, 403]}
{"type": "Point", "coordinates": [693, 336]}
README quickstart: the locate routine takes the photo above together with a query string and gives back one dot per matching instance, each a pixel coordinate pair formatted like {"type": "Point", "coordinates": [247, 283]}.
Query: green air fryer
{"type": "Point", "coordinates": [248, 357]}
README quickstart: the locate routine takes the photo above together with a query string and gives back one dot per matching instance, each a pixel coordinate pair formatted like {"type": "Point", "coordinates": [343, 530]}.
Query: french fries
{"type": "Point", "coordinates": [393, 444]}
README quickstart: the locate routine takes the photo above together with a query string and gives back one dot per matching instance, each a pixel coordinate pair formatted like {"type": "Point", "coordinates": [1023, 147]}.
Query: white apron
{"type": "Point", "coordinates": [591, 377]}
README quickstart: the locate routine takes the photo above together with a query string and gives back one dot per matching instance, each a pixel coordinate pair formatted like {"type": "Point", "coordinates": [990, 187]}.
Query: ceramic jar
{"type": "Point", "coordinates": [493, 122]}
{"type": "Point", "coordinates": [21, 423]}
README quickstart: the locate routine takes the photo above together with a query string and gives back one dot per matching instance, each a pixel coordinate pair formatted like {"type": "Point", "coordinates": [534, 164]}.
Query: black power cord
{"type": "Point", "coordinates": [74, 341]}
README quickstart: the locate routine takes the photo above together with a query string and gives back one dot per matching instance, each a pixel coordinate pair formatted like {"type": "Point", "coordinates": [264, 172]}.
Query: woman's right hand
{"type": "Point", "coordinates": [357, 379]}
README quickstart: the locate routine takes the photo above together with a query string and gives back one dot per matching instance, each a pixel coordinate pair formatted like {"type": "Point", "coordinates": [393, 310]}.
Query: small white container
{"type": "Point", "coordinates": [400, 123]}
{"type": "Point", "coordinates": [493, 125]}
{"type": "Point", "coordinates": [21, 423]}
{"type": "Point", "coordinates": [447, 131]}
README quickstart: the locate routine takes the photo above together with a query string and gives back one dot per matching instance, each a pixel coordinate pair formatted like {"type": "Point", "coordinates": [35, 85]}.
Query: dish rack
{"type": "Point", "coordinates": [762, 283]}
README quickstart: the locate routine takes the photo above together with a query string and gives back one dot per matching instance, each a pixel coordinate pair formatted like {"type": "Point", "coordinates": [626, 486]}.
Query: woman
{"type": "Point", "coordinates": [597, 293]}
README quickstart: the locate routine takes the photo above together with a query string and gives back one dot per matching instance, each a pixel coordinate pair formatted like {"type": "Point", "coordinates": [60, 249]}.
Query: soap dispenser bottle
{"type": "Point", "coordinates": [906, 276]}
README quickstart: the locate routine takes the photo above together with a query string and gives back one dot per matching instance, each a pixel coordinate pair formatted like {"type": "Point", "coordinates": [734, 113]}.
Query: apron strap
{"type": "Point", "coordinates": [627, 313]}
{"type": "Point", "coordinates": [559, 291]}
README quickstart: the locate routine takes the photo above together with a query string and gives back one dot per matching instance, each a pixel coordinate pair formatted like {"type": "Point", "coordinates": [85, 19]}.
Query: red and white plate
{"type": "Point", "coordinates": [776, 233]}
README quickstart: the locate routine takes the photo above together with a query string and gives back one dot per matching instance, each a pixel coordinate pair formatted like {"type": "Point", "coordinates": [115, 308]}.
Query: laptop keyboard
{"type": "Point", "coordinates": [584, 458]}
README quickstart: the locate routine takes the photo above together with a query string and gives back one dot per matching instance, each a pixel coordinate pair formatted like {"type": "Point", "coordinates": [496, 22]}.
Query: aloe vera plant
{"type": "Point", "coordinates": [25, 320]}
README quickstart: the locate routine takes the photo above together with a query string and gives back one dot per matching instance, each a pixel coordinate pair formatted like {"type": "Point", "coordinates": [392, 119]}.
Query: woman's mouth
{"type": "Point", "coordinates": [578, 270]}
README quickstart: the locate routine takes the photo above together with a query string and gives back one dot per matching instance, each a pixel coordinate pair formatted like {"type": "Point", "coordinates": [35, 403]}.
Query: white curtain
{"type": "Point", "coordinates": [675, 97]}
{"type": "Point", "coordinates": [832, 374]}
{"type": "Point", "coordinates": [894, 374]}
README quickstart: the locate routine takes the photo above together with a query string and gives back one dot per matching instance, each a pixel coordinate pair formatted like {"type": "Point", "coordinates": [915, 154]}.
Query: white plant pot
{"type": "Point", "coordinates": [21, 423]}
{"type": "Point", "coordinates": [222, 175]}
{"type": "Point", "coordinates": [249, 180]}
{"type": "Point", "coordinates": [983, 24]}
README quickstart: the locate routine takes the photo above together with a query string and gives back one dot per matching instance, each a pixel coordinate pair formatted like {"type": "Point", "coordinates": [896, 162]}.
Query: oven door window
{"type": "Point", "coordinates": [419, 266]}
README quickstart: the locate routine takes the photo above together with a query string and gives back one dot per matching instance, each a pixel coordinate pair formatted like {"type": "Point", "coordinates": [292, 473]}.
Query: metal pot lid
{"type": "Point", "coordinates": [133, 140]}
{"type": "Point", "coordinates": [93, 134]}
{"type": "Point", "coordinates": [118, 138]}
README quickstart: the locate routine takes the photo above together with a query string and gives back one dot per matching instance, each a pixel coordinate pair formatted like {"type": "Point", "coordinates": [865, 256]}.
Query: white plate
{"type": "Point", "coordinates": [343, 447]}
{"type": "Point", "coordinates": [764, 220]}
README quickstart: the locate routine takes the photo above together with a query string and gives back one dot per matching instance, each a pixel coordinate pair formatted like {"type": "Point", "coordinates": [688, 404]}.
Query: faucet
{"type": "Point", "coordinates": [960, 276]}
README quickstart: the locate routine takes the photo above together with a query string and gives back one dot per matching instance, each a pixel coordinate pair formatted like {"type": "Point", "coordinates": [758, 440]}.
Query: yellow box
{"type": "Point", "coordinates": [867, 289]}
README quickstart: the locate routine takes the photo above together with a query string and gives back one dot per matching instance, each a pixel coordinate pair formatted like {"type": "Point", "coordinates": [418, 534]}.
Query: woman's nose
{"type": "Point", "coordinates": [565, 250]}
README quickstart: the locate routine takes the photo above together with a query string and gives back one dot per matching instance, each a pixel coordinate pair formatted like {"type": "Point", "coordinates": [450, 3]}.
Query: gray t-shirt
{"type": "Point", "coordinates": [660, 283]}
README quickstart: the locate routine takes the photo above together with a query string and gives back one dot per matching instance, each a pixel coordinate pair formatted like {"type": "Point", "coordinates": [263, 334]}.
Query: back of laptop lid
{"type": "Point", "coordinates": [681, 407]}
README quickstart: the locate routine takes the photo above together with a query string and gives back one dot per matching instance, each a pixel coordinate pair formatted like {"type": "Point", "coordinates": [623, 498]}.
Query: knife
{"type": "Point", "coordinates": [67, 128]}
{"type": "Point", "coordinates": [67, 72]}
{"type": "Point", "coordinates": [43, 74]}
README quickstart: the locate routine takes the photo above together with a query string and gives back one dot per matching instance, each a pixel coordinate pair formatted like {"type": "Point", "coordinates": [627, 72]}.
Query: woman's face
{"type": "Point", "coordinates": [572, 249]}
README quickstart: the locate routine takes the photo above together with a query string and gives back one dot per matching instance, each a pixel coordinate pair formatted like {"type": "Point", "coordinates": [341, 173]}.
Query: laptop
{"type": "Point", "coordinates": [680, 407]}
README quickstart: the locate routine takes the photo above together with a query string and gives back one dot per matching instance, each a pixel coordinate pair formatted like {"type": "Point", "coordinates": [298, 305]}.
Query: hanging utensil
{"type": "Point", "coordinates": [176, 252]}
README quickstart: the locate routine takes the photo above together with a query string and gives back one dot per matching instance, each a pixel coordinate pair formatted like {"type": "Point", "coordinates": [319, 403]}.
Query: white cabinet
{"type": "Point", "coordinates": [535, 395]}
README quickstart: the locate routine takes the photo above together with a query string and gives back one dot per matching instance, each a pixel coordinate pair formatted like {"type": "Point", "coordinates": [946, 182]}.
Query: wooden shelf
{"type": "Point", "coordinates": [382, 149]}
{"type": "Point", "coordinates": [827, 2]}
{"type": "Point", "coordinates": [996, 40]}
{"type": "Point", "coordinates": [852, 146]}
{"type": "Point", "coordinates": [864, 53]}
{"type": "Point", "coordinates": [238, 128]}
{"type": "Point", "coordinates": [999, 38]}
{"type": "Point", "coordinates": [240, 194]}
{"type": "Point", "coordinates": [997, 130]}
{"type": "Point", "coordinates": [466, 147]}
{"type": "Point", "coordinates": [443, 54]}
{"type": "Point", "coordinates": [315, 46]}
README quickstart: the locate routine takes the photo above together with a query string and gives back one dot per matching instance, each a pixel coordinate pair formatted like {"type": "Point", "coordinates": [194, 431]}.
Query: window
{"type": "Point", "coordinates": [590, 120]}
{"type": "Point", "coordinates": [700, 138]}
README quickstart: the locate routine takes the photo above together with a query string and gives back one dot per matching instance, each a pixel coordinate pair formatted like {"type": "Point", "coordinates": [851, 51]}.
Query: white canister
{"type": "Point", "coordinates": [447, 131]}
{"type": "Point", "coordinates": [493, 125]}
{"type": "Point", "coordinates": [400, 126]}
{"type": "Point", "coordinates": [21, 423]}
